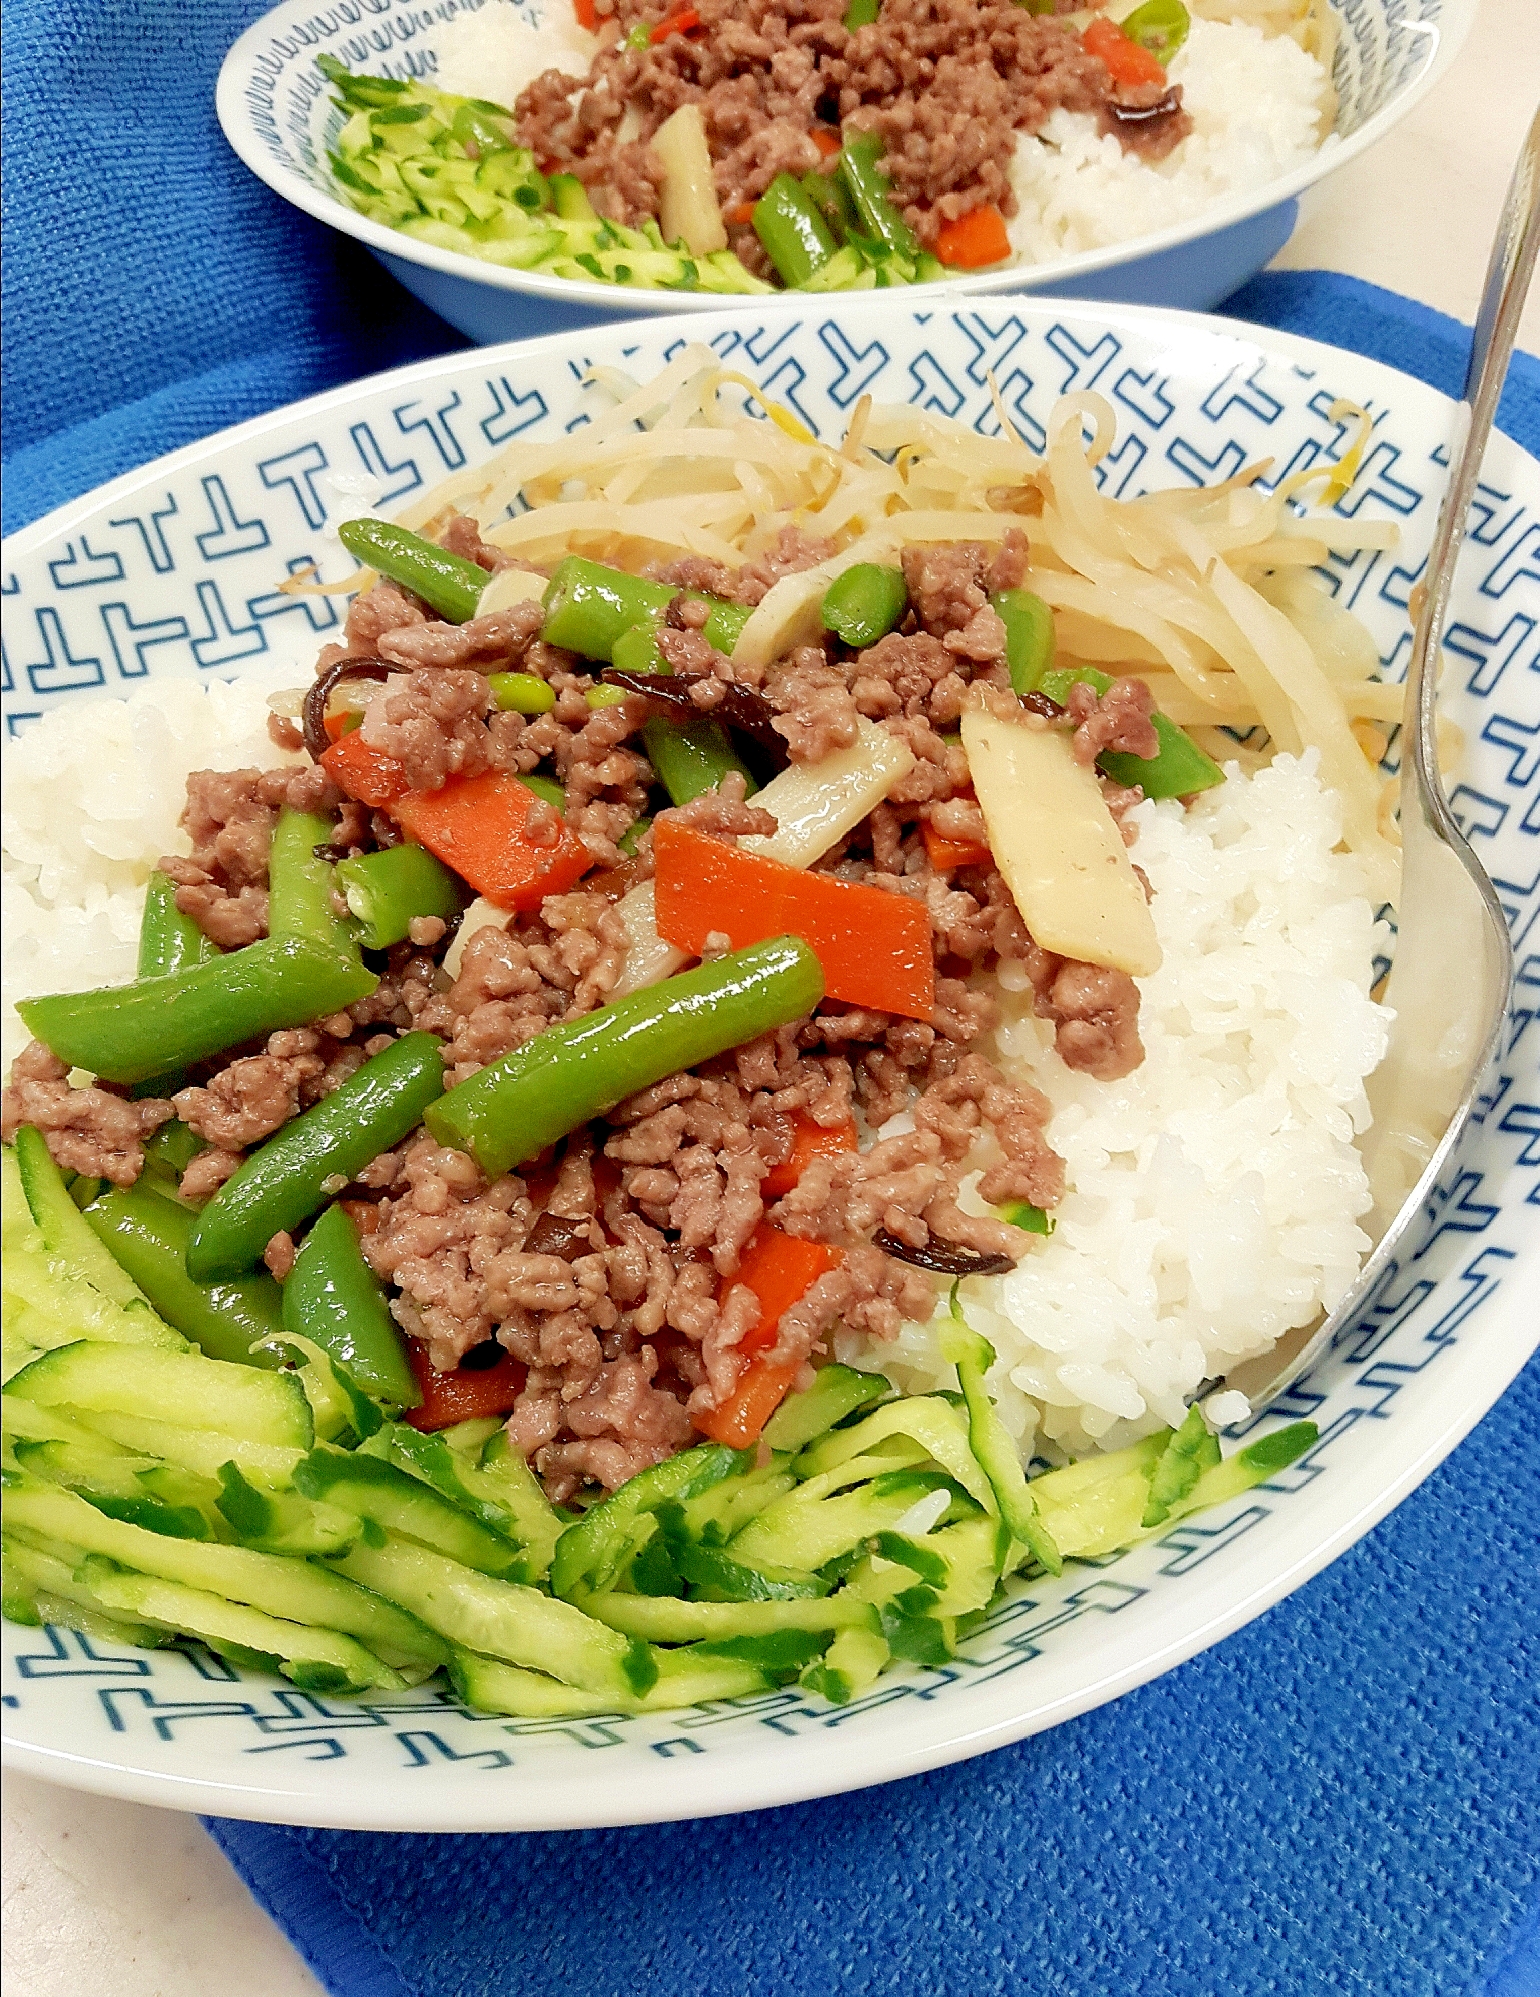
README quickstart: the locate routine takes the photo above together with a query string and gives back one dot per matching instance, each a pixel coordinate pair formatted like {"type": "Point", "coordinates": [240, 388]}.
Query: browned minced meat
{"type": "Point", "coordinates": [90, 1131]}
{"type": "Point", "coordinates": [229, 819]}
{"type": "Point", "coordinates": [1118, 719]}
{"type": "Point", "coordinates": [207, 1173]}
{"type": "Point", "coordinates": [789, 553]}
{"type": "Point", "coordinates": [461, 535]}
{"type": "Point", "coordinates": [946, 83]}
{"type": "Point", "coordinates": [501, 639]}
{"type": "Point", "coordinates": [258, 1093]}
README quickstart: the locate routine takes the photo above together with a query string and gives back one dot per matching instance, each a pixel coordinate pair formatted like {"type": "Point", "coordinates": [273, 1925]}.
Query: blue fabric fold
{"type": "Point", "coordinates": [1340, 1798]}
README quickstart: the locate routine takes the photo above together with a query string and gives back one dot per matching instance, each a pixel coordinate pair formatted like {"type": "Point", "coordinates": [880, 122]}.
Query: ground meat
{"type": "Point", "coordinates": [788, 554]}
{"type": "Point", "coordinates": [947, 84]}
{"type": "Point", "coordinates": [89, 1130]}
{"type": "Point", "coordinates": [1119, 719]}
{"type": "Point", "coordinates": [433, 723]}
{"type": "Point", "coordinates": [461, 535]}
{"type": "Point", "coordinates": [279, 1256]}
{"type": "Point", "coordinates": [1095, 1011]}
{"type": "Point", "coordinates": [723, 812]}
{"type": "Point", "coordinates": [815, 709]}
{"type": "Point", "coordinates": [229, 819]}
{"type": "Point", "coordinates": [912, 676]}
{"type": "Point", "coordinates": [207, 1173]}
{"type": "Point", "coordinates": [491, 643]}
{"type": "Point", "coordinates": [385, 607]}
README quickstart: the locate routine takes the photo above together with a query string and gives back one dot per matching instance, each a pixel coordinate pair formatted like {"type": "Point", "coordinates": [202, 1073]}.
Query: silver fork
{"type": "Point", "coordinates": [1453, 970]}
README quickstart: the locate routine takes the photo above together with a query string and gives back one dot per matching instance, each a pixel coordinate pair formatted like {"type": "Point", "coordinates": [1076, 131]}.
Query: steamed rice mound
{"type": "Point", "coordinates": [1213, 1193]}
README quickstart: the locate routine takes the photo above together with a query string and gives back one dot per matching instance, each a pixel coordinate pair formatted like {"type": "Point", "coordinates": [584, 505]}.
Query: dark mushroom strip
{"type": "Point", "coordinates": [741, 707]}
{"type": "Point", "coordinates": [942, 1258]}
{"type": "Point", "coordinates": [320, 692]}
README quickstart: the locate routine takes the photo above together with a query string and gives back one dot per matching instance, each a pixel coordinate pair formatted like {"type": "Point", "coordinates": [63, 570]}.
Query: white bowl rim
{"type": "Point", "coordinates": [1453, 27]}
{"type": "Point", "coordinates": [740, 1781]}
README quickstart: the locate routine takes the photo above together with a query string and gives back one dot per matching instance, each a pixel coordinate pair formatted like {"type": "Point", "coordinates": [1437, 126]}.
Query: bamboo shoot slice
{"type": "Point", "coordinates": [1058, 846]}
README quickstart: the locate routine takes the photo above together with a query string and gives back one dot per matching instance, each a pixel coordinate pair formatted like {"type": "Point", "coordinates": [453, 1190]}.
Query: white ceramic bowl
{"type": "Point", "coordinates": [277, 114]}
{"type": "Point", "coordinates": [171, 571]}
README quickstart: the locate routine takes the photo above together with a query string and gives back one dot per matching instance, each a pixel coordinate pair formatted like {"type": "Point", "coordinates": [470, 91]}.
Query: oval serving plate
{"type": "Point", "coordinates": [276, 111]}
{"type": "Point", "coordinates": [172, 571]}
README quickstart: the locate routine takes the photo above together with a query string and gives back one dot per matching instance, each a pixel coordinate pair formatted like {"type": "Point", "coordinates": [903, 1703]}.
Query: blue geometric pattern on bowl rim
{"type": "Point", "coordinates": [173, 571]}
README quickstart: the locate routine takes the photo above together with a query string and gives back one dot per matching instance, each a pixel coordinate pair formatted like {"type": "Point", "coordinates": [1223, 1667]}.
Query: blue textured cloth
{"type": "Point", "coordinates": [1341, 1798]}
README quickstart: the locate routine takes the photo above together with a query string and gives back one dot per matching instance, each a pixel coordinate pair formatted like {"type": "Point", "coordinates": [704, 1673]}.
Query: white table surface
{"type": "Point", "coordinates": [140, 1902]}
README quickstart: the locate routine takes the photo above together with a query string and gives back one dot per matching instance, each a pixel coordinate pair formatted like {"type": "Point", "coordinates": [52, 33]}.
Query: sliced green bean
{"type": "Point", "coordinates": [869, 190]}
{"type": "Point", "coordinates": [387, 892]}
{"type": "Point", "coordinates": [864, 603]}
{"type": "Point", "coordinates": [446, 583]}
{"type": "Point", "coordinates": [173, 1147]}
{"type": "Point", "coordinates": [796, 238]}
{"type": "Point", "coordinates": [1177, 769]}
{"type": "Point", "coordinates": [125, 1033]}
{"type": "Point", "coordinates": [633, 836]}
{"type": "Point", "coordinates": [1031, 1219]}
{"type": "Point", "coordinates": [1161, 26]}
{"type": "Point", "coordinates": [830, 196]}
{"type": "Point", "coordinates": [862, 13]}
{"type": "Point", "coordinates": [692, 757]}
{"type": "Point", "coordinates": [1029, 636]}
{"type": "Point", "coordinates": [548, 789]}
{"type": "Point", "coordinates": [333, 1297]}
{"type": "Point", "coordinates": [296, 1171]}
{"type": "Point", "coordinates": [148, 1236]}
{"type": "Point", "coordinates": [573, 1072]}
{"type": "Point", "coordinates": [301, 886]}
{"type": "Point", "coordinates": [588, 606]}
{"type": "Point", "coordinates": [637, 651]}
{"type": "Point", "coordinates": [521, 693]}
{"type": "Point", "coordinates": [168, 940]}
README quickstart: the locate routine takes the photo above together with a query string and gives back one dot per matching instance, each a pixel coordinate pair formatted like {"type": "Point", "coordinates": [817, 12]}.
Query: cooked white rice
{"type": "Point", "coordinates": [1213, 1193]}
{"type": "Point", "coordinates": [494, 52]}
{"type": "Point", "coordinates": [93, 793]}
{"type": "Point", "coordinates": [1255, 101]}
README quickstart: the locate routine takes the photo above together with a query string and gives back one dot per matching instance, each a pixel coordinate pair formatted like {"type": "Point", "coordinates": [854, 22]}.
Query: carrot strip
{"type": "Point", "coordinates": [463, 1394]}
{"type": "Point", "coordinates": [975, 239]}
{"type": "Point", "coordinates": [683, 21]}
{"type": "Point", "coordinates": [587, 15]}
{"type": "Point", "coordinates": [477, 826]}
{"type": "Point", "coordinates": [811, 1140]}
{"type": "Point", "coordinates": [1127, 62]}
{"type": "Point", "coordinates": [875, 947]}
{"type": "Point", "coordinates": [944, 853]}
{"type": "Point", "coordinates": [827, 142]}
{"type": "Point", "coordinates": [363, 772]}
{"type": "Point", "coordinates": [780, 1269]}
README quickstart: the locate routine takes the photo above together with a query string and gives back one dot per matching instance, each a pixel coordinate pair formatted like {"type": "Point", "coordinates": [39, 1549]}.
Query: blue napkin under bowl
{"type": "Point", "coordinates": [1340, 1798]}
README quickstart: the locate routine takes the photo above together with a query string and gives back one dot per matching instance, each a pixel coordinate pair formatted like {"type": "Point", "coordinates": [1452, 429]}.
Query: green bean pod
{"type": "Point", "coordinates": [148, 1236]}
{"type": "Point", "coordinates": [1177, 769]}
{"type": "Point", "coordinates": [797, 239]}
{"type": "Point", "coordinates": [388, 891]}
{"type": "Point", "coordinates": [868, 187]}
{"type": "Point", "coordinates": [296, 1171]}
{"type": "Point", "coordinates": [521, 693]}
{"type": "Point", "coordinates": [168, 940]}
{"type": "Point", "coordinates": [692, 757]}
{"type": "Point", "coordinates": [124, 1033]}
{"type": "Point", "coordinates": [573, 1072]}
{"type": "Point", "coordinates": [1029, 636]}
{"type": "Point", "coordinates": [446, 583]}
{"type": "Point", "coordinates": [1161, 26]}
{"type": "Point", "coordinates": [589, 608]}
{"type": "Point", "coordinates": [301, 885]}
{"type": "Point", "coordinates": [830, 196]}
{"type": "Point", "coordinates": [548, 789]}
{"type": "Point", "coordinates": [862, 13]}
{"type": "Point", "coordinates": [333, 1297]}
{"type": "Point", "coordinates": [865, 603]}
